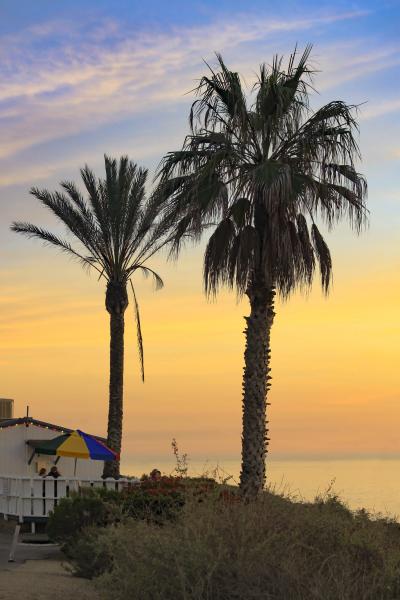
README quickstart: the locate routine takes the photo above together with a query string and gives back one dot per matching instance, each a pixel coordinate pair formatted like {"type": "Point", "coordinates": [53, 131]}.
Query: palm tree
{"type": "Point", "coordinates": [119, 230]}
{"type": "Point", "coordinates": [262, 171]}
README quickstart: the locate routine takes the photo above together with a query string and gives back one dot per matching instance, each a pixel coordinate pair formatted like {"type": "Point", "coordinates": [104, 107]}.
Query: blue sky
{"type": "Point", "coordinates": [80, 79]}
{"type": "Point", "coordinates": [111, 76]}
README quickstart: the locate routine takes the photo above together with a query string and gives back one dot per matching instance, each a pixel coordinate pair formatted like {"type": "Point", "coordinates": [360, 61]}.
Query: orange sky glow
{"type": "Point", "coordinates": [334, 362]}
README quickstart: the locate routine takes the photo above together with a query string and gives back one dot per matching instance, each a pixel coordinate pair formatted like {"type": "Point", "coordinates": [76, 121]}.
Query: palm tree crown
{"type": "Point", "coordinates": [115, 225]}
{"type": "Point", "coordinates": [264, 173]}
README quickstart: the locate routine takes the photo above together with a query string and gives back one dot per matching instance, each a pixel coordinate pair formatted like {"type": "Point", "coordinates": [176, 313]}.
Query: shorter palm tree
{"type": "Point", "coordinates": [118, 231]}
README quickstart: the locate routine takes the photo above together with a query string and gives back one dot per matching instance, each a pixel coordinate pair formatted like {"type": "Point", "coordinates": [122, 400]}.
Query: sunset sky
{"type": "Point", "coordinates": [79, 79]}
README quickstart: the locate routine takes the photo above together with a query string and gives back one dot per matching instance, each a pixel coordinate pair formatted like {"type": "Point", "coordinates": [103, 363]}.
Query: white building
{"type": "Point", "coordinates": [17, 458]}
{"type": "Point", "coordinates": [24, 495]}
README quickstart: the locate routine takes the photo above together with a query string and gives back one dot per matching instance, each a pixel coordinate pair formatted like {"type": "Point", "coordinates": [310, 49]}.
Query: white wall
{"type": "Point", "coordinates": [15, 454]}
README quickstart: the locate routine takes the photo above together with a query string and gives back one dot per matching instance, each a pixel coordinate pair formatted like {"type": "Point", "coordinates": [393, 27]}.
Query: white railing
{"type": "Point", "coordinates": [30, 498]}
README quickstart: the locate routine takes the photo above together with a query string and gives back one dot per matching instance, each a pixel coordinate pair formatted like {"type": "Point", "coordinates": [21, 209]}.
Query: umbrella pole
{"type": "Point", "coordinates": [76, 460]}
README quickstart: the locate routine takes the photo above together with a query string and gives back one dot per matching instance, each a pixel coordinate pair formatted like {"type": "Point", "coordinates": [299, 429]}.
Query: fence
{"type": "Point", "coordinates": [30, 498]}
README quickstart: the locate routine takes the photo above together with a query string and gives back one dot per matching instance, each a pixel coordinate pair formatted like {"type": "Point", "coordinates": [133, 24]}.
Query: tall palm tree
{"type": "Point", "coordinates": [119, 230]}
{"type": "Point", "coordinates": [262, 170]}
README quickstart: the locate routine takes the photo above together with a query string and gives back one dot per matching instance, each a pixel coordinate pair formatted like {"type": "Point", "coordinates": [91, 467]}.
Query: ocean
{"type": "Point", "coordinates": [370, 483]}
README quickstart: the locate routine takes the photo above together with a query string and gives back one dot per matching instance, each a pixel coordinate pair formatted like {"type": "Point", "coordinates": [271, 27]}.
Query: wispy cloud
{"type": "Point", "coordinates": [378, 109]}
{"type": "Point", "coordinates": [351, 61]}
{"type": "Point", "coordinates": [59, 80]}
{"type": "Point", "coordinates": [40, 169]}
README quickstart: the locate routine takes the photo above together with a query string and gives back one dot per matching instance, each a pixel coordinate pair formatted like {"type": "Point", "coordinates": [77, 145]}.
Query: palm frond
{"type": "Point", "coordinates": [221, 97]}
{"type": "Point", "coordinates": [32, 231]}
{"type": "Point", "coordinates": [83, 228]}
{"type": "Point", "coordinates": [138, 330]}
{"type": "Point", "coordinates": [307, 252]}
{"type": "Point", "coordinates": [216, 256]}
{"type": "Point", "coordinates": [324, 257]}
{"type": "Point", "coordinates": [96, 202]}
{"type": "Point", "coordinates": [147, 272]}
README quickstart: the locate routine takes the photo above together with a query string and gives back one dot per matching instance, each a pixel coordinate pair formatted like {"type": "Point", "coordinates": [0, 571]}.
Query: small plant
{"type": "Point", "coordinates": [182, 464]}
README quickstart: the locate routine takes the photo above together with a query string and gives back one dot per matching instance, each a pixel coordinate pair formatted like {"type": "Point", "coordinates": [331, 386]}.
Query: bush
{"type": "Point", "coordinates": [154, 501]}
{"type": "Point", "coordinates": [272, 549]}
{"type": "Point", "coordinates": [90, 508]}
{"type": "Point", "coordinates": [90, 553]}
{"type": "Point", "coordinates": [77, 522]}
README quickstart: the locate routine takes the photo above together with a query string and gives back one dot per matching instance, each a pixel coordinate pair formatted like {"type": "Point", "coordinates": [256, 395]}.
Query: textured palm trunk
{"type": "Point", "coordinates": [116, 304]}
{"type": "Point", "coordinates": [255, 388]}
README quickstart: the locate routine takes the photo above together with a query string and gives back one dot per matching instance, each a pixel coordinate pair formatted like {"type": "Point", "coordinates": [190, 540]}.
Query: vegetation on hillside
{"type": "Point", "coordinates": [216, 546]}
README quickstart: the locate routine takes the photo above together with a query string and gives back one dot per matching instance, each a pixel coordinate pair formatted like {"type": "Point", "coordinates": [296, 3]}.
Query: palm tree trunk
{"type": "Point", "coordinates": [116, 303]}
{"type": "Point", "coordinates": [255, 387]}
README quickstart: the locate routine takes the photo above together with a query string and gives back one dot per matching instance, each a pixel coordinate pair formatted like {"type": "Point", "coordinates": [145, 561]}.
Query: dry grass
{"type": "Point", "coordinates": [271, 549]}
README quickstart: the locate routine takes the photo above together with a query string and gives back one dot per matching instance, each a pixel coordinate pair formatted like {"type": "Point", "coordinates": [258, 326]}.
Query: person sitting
{"type": "Point", "coordinates": [42, 472]}
{"type": "Point", "coordinates": [155, 475]}
{"type": "Point", "coordinates": [54, 472]}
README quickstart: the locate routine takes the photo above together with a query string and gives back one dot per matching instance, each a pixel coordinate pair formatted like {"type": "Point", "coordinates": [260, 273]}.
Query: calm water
{"type": "Point", "coordinates": [373, 484]}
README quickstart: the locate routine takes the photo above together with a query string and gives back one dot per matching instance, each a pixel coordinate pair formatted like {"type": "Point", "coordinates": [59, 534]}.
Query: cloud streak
{"type": "Point", "coordinates": [58, 89]}
{"type": "Point", "coordinates": [379, 109]}
{"type": "Point", "coordinates": [85, 80]}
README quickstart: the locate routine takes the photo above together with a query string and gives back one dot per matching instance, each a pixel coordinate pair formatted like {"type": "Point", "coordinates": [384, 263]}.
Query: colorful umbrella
{"type": "Point", "coordinates": [76, 444]}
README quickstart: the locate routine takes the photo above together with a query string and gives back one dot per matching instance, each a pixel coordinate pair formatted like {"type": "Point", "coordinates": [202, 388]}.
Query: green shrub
{"type": "Point", "coordinates": [152, 505]}
{"type": "Point", "coordinates": [154, 501]}
{"type": "Point", "coordinates": [89, 508]}
{"type": "Point", "coordinates": [76, 521]}
{"type": "Point", "coordinates": [90, 553]}
{"type": "Point", "coordinates": [163, 499]}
